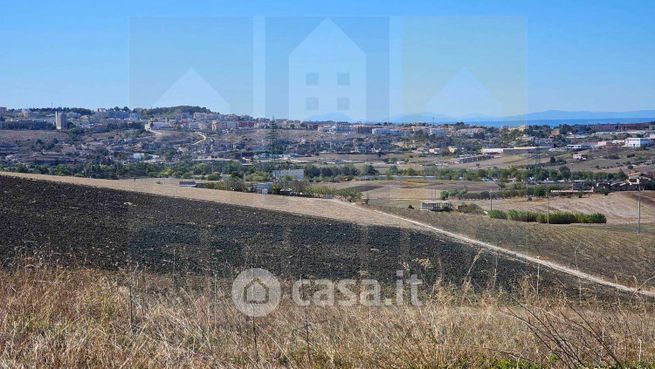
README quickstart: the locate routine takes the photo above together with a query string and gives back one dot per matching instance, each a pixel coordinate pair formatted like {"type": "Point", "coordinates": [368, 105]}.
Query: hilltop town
{"type": "Point", "coordinates": [80, 141]}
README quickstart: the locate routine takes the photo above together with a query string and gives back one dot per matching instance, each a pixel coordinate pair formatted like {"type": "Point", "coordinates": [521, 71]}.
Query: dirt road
{"type": "Point", "coordinates": [530, 259]}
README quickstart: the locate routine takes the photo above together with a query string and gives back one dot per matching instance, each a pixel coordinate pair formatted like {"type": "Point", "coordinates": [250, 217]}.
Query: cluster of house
{"type": "Point", "coordinates": [488, 153]}
{"type": "Point", "coordinates": [122, 148]}
{"type": "Point", "coordinates": [637, 181]}
{"type": "Point", "coordinates": [62, 120]}
{"type": "Point", "coordinates": [263, 188]}
{"type": "Point", "coordinates": [634, 182]}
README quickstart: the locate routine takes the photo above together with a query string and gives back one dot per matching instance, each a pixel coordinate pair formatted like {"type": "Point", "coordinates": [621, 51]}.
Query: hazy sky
{"type": "Point", "coordinates": [453, 57]}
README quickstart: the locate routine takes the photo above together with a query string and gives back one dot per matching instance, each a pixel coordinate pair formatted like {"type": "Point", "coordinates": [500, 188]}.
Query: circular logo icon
{"type": "Point", "coordinates": [256, 292]}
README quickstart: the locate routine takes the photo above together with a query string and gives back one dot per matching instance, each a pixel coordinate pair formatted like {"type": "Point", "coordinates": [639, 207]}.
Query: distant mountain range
{"type": "Point", "coordinates": [545, 116]}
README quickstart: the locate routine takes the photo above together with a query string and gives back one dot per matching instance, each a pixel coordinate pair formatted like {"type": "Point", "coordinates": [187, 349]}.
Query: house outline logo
{"type": "Point", "coordinates": [256, 292]}
{"type": "Point", "coordinates": [327, 76]}
{"type": "Point", "coordinates": [192, 89]}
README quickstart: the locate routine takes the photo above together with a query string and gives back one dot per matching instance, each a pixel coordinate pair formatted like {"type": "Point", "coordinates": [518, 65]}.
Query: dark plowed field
{"type": "Point", "coordinates": [82, 226]}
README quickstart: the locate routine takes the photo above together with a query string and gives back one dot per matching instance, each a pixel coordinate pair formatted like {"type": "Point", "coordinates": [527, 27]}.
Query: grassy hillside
{"type": "Point", "coordinates": [91, 318]}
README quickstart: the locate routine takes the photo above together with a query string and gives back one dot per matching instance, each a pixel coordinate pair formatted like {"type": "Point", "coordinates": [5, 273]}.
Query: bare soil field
{"type": "Point", "coordinates": [73, 225]}
{"type": "Point", "coordinates": [503, 161]}
{"type": "Point", "coordinates": [156, 226]}
{"type": "Point", "coordinates": [324, 158]}
{"type": "Point", "coordinates": [303, 206]}
{"type": "Point", "coordinates": [646, 228]}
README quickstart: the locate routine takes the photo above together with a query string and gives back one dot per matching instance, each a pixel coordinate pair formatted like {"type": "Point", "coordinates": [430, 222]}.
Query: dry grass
{"type": "Point", "coordinates": [596, 249]}
{"type": "Point", "coordinates": [11, 136]}
{"type": "Point", "coordinates": [89, 318]}
{"type": "Point", "coordinates": [619, 207]}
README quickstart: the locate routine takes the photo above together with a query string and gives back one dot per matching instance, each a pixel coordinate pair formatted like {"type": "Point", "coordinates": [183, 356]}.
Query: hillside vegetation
{"type": "Point", "coordinates": [91, 318]}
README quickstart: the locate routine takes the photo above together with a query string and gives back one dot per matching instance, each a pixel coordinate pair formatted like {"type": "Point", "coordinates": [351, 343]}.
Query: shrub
{"type": "Point", "coordinates": [590, 218]}
{"type": "Point", "coordinates": [555, 217]}
{"type": "Point", "coordinates": [497, 214]}
{"type": "Point", "coordinates": [598, 218]}
{"type": "Point", "coordinates": [531, 216]}
{"type": "Point", "coordinates": [523, 216]}
{"type": "Point", "coordinates": [470, 209]}
{"type": "Point", "coordinates": [562, 217]}
{"type": "Point", "coordinates": [349, 194]}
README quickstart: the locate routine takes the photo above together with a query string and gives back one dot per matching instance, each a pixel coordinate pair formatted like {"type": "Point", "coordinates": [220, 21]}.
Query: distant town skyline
{"type": "Point", "coordinates": [473, 58]}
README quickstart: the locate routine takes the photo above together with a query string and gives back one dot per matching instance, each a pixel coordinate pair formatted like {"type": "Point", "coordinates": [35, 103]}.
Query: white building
{"type": "Point", "coordinates": [636, 142]}
{"type": "Point", "coordinates": [160, 125]}
{"type": "Point", "coordinates": [263, 188]}
{"type": "Point", "coordinates": [493, 150]}
{"type": "Point", "coordinates": [3, 110]}
{"type": "Point", "coordinates": [578, 146]}
{"type": "Point", "coordinates": [385, 132]}
{"type": "Point", "coordinates": [220, 125]}
{"type": "Point", "coordinates": [436, 205]}
{"type": "Point", "coordinates": [297, 174]}
{"type": "Point", "coordinates": [438, 131]}
{"type": "Point", "coordinates": [60, 120]}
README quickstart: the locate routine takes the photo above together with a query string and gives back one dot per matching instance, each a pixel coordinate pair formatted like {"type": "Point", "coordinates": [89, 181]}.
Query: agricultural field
{"type": "Point", "coordinates": [94, 276]}
{"type": "Point", "coordinates": [601, 250]}
{"type": "Point", "coordinates": [169, 187]}
{"type": "Point", "coordinates": [82, 226]}
{"type": "Point", "coordinates": [402, 193]}
{"type": "Point", "coordinates": [618, 207]}
{"type": "Point", "coordinates": [504, 161]}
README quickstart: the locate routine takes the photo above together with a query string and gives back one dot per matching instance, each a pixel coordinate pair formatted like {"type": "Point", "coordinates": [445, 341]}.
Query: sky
{"type": "Point", "coordinates": [451, 58]}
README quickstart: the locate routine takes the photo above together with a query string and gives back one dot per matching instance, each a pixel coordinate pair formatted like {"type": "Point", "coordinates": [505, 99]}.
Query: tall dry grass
{"type": "Point", "coordinates": [61, 318]}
